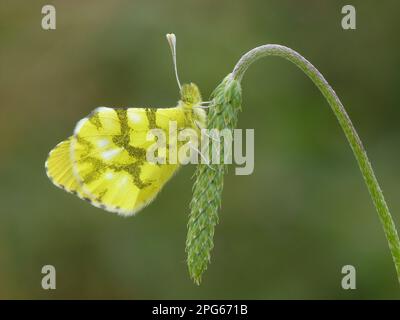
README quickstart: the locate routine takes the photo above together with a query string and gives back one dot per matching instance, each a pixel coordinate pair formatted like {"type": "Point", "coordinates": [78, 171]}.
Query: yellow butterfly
{"type": "Point", "coordinates": [104, 161]}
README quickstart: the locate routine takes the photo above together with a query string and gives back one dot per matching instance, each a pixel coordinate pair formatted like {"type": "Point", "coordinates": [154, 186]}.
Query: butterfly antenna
{"type": "Point", "coordinates": [172, 44]}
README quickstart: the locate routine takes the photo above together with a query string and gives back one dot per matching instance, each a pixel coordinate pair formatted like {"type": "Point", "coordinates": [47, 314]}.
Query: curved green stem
{"type": "Point", "coordinates": [347, 126]}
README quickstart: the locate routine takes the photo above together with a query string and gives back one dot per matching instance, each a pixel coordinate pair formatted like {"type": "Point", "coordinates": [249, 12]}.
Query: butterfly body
{"type": "Point", "coordinates": [104, 161]}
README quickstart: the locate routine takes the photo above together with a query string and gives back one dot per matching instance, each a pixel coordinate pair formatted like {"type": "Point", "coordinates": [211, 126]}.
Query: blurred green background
{"type": "Point", "coordinates": [285, 231]}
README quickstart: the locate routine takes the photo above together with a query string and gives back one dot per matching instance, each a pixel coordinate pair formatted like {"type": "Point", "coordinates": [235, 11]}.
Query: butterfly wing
{"type": "Point", "coordinates": [59, 169]}
{"type": "Point", "coordinates": [106, 161]}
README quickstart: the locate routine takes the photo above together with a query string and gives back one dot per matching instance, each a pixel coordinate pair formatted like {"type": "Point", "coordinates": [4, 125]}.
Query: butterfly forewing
{"type": "Point", "coordinates": [106, 161]}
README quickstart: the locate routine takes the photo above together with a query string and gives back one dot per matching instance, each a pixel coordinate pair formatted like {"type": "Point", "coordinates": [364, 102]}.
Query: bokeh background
{"type": "Point", "coordinates": [285, 231]}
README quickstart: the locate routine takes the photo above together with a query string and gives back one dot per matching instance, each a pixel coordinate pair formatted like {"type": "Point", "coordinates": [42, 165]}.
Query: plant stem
{"type": "Point", "coordinates": [347, 126]}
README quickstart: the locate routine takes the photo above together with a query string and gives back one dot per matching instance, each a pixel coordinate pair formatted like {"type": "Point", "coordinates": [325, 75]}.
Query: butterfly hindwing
{"type": "Point", "coordinates": [108, 155]}
{"type": "Point", "coordinates": [59, 169]}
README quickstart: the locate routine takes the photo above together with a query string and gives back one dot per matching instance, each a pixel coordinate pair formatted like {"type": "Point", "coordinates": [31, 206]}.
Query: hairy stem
{"type": "Point", "coordinates": [347, 126]}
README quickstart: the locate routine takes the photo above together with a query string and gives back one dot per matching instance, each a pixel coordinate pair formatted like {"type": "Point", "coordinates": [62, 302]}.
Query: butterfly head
{"type": "Point", "coordinates": [190, 94]}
